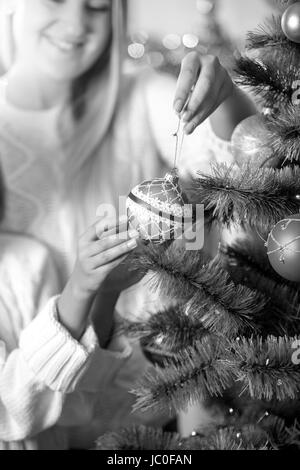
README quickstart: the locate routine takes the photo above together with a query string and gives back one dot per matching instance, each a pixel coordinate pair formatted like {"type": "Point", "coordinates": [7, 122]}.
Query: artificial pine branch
{"type": "Point", "coordinates": [196, 374]}
{"type": "Point", "coordinates": [281, 436]}
{"type": "Point", "coordinates": [284, 135]}
{"type": "Point", "coordinates": [174, 270]}
{"type": "Point", "coordinates": [256, 273]}
{"type": "Point", "coordinates": [265, 367]}
{"type": "Point", "coordinates": [268, 433]}
{"type": "Point", "coordinates": [271, 84]}
{"type": "Point", "coordinates": [234, 438]}
{"type": "Point", "coordinates": [207, 290]}
{"type": "Point", "coordinates": [241, 254]}
{"type": "Point", "coordinates": [139, 438]}
{"type": "Point", "coordinates": [230, 309]}
{"type": "Point", "coordinates": [171, 329]}
{"type": "Point", "coordinates": [259, 196]}
{"type": "Point", "coordinates": [271, 35]}
{"type": "Point", "coordinates": [271, 435]}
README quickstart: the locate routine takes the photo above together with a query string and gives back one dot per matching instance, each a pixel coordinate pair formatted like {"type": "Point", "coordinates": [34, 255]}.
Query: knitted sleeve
{"type": "Point", "coordinates": [40, 362]}
{"type": "Point", "coordinates": [35, 376]}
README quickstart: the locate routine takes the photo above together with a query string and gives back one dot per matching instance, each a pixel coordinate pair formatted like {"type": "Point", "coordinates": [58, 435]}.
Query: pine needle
{"type": "Point", "coordinates": [227, 309]}
{"type": "Point", "coordinates": [173, 329]}
{"type": "Point", "coordinates": [265, 367]}
{"type": "Point", "coordinates": [272, 434]}
{"type": "Point", "coordinates": [235, 438]}
{"type": "Point", "coordinates": [259, 197]}
{"type": "Point", "coordinates": [271, 84]}
{"type": "Point", "coordinates": [174, 270]}
{"type": "Point", "coordinates": [206, 291]}
{"type": "Point", "coordinates": [196, 374]}
{"type": "Point", "coordinates": [270, 34]}
{"type": "Point", "coordinates": [255, 272]}
{"type": "Point", "coordinates": [139, 438]}
{"type": "Point", "coordinates": [284, 135]}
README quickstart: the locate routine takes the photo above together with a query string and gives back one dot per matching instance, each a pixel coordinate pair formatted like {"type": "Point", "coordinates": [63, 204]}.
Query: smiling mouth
{"type": "Point", "coordinates": [67, 47]}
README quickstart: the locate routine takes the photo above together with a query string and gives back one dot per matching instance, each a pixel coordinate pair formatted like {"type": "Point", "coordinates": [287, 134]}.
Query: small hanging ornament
{"type": "Point", "coordinates": [284, 248]}
{"type": "Point", "coordinates": [248, 143]}
{"type": "Point", "coordinates": [158, 209]}
{"type": "Point", "coordinates": [290, 23]}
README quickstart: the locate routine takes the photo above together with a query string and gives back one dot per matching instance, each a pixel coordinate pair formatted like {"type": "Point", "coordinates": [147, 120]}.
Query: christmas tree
{"type": "Point", "coordinates": [232, 338]}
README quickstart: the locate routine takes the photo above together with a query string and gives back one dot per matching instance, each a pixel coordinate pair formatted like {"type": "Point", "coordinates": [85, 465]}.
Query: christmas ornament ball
{"type": "Point", "coordinates": [248, 142]}
{"type": "Point", "coordinates": [158, 209]}
{"type": "Point", "coordinates": [290, 23]}
{"type": "Point", "coordinates": [284, 248]}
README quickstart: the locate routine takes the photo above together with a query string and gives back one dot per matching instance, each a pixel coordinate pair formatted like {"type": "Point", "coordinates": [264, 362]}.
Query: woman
{"type": "Point", "coordinates": [77, 132]}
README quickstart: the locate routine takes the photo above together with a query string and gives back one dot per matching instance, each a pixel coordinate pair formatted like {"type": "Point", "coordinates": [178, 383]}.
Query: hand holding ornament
{"type": "Point", "coordinates": [210, 84]}
{"type": "Point", "coordinates": [102, 248]}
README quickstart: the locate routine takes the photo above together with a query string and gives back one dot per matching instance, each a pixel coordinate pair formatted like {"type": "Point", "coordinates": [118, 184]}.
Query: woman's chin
{"type": "Point", "coordinates": [61, 72]}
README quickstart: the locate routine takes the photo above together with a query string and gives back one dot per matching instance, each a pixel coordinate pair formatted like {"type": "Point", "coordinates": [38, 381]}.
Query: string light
{"type": "Point", "coordinates": [160, 339]}
{"type": "Point", "coordinates": [265, 415]}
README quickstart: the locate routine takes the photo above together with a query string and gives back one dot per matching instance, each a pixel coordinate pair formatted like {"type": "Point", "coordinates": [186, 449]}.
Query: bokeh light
{"type": "Point", "coordinates": [190, 40]}
{"type": "Point", "coordinates": [155, 59]}
{"type": "Point", "coordinates": [139, 37]}
{"type": "Point", "coordinates": [204, 6]}
{"type": "Point", "coordinates": [172, 41]}
{"type": "Point", "coordinates": [136, 50]}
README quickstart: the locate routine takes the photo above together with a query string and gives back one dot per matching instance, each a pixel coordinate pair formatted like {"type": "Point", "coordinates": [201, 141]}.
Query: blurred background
{"type": "Point", "coordinates": [160, 33]}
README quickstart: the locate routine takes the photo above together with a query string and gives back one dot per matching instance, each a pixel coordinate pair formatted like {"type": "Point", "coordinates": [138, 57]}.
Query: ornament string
{"type": "Point", "coordinates": [179, 134]}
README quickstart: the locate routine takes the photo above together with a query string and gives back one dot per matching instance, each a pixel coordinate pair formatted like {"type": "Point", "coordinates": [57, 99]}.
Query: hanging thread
{"type": "Point", "coordinates": [179, 134]}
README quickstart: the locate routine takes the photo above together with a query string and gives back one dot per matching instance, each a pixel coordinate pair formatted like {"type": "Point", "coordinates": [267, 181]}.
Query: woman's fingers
{"type": "Point", "coordinates": [190, 67]}
{"type": "Point", "coordinates": [211, 85]}
{"type": "Point", "coordinates": [204, 87]}
{"type": "Point", "coordinates": [112, 265]}
{"type": "Point", "coordinates": [108, 242]}
{"type": "Point", "coordinates": [103, 225]}
{"type": "Point", "coordinates": [113, 254]}
{"type": "Point", "coordinates": [120, 229]}
{"type": "Point", "coordinates": [111, 225]}
{"type": "Point", "coordinates": [206, 100]}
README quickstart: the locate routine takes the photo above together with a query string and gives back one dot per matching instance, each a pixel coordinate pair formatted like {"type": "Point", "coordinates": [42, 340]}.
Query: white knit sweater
{"type": "Point", "coordinates": [52, 195]}
{"type": "Point", "coordinates": [55, 392]}
{"type": "Point", "coordinates": [53, 191]}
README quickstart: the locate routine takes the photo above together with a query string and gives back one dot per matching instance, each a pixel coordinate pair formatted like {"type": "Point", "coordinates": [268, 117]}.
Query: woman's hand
{"type": "Point", "coordinates": [122, 277]}
{"type": "Point", "coordinates": [203, 84]}
{"type": "Point", "coordinates": [104, 246]}
{"type": "Point", "coordinates": [100, 250]}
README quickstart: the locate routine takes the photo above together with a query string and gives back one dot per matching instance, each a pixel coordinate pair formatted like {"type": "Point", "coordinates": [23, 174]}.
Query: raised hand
{"type": "Point", "coordinates": [203, 84]}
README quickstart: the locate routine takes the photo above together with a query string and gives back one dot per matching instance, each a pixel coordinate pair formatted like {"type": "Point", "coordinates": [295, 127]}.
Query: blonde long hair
{"type": "Point", "coordinates": [85, 96]}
